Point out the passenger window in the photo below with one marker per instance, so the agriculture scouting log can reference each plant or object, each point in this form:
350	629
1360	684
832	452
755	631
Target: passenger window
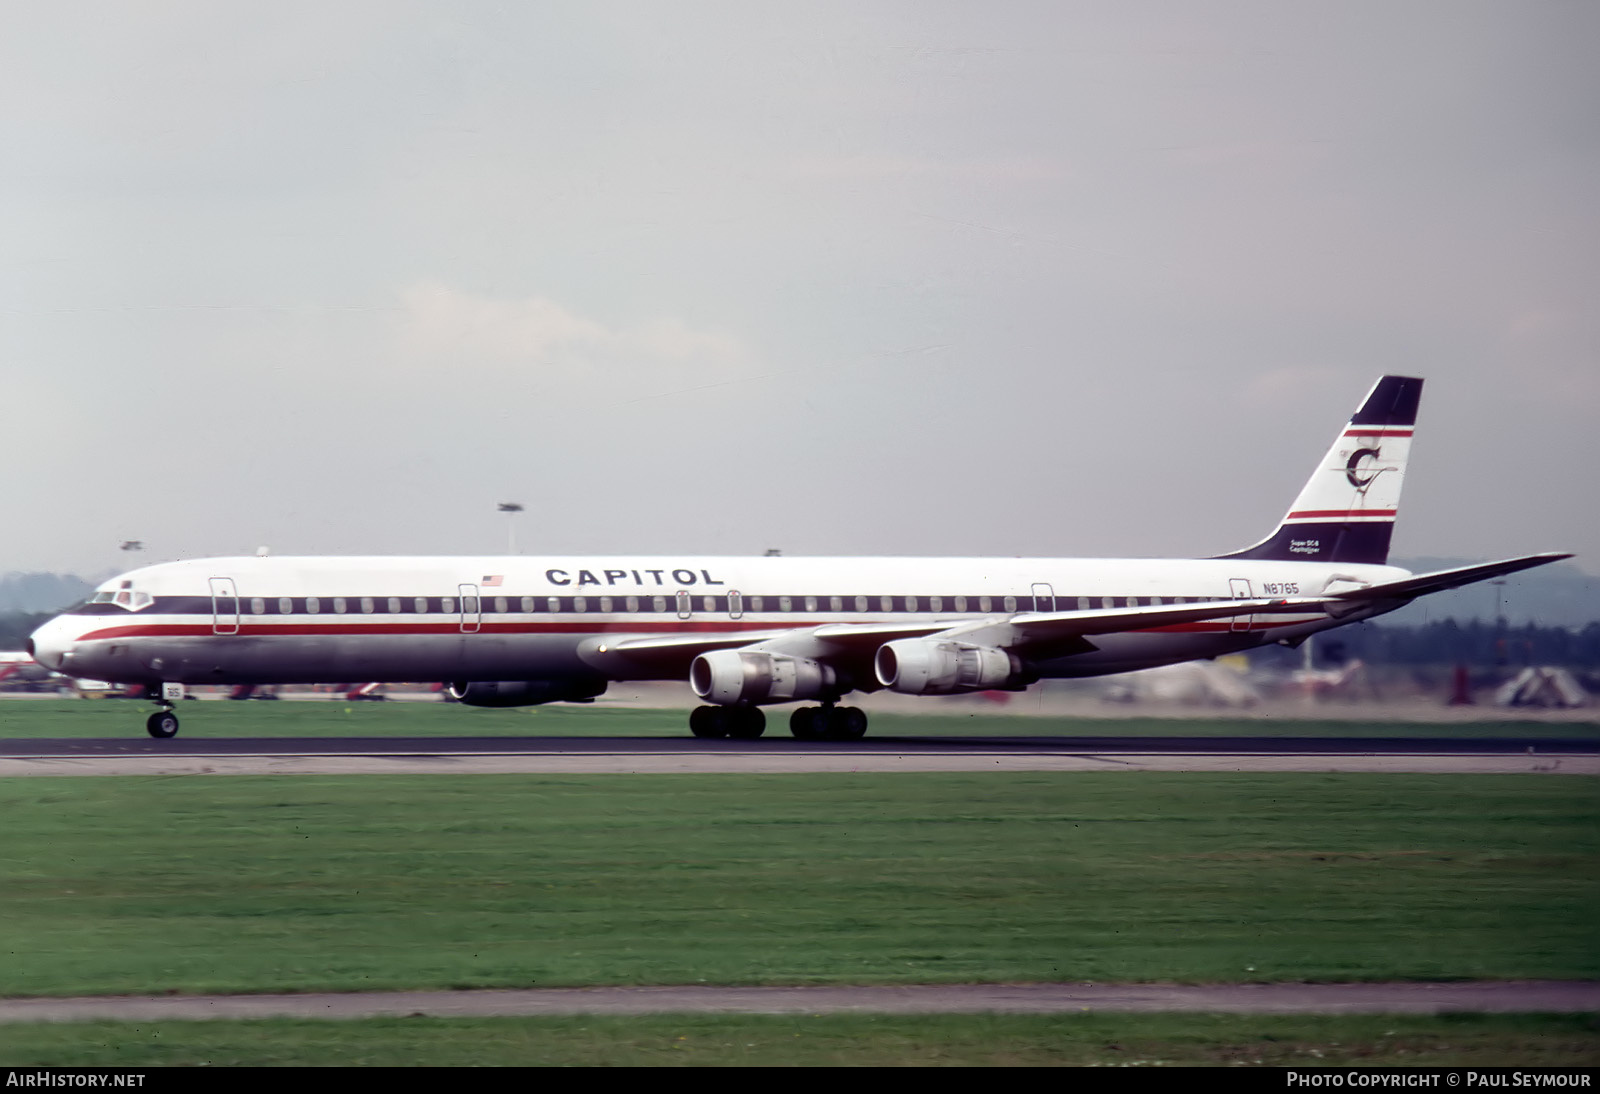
258	605
500	604
285	605
447	604
961	603
886	603
632	603
338	605
911	603
1083	603
394	605
553	603
811	603
709	603
936	603
658	603
421	605
1011	603
755	603
836	603
313	605
580	603
605	603
985	603
785	604
367	606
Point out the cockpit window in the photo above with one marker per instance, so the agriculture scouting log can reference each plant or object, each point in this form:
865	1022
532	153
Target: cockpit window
128	599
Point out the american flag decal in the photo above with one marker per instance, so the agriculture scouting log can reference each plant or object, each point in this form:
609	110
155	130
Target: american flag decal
491	581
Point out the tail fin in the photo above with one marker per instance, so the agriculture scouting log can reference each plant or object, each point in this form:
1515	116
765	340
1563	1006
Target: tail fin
1346	511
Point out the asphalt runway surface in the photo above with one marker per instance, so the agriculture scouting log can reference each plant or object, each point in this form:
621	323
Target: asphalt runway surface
778	755
1508	996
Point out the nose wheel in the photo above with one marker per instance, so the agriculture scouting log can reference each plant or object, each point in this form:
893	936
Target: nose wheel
162	724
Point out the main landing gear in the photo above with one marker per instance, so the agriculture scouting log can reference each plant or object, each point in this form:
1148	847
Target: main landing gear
824	723
828	723
744	723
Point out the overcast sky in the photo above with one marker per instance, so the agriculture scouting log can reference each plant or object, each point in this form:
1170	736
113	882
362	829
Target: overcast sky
1096	278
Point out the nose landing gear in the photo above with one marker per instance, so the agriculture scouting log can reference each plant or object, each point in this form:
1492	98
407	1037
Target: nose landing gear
163	723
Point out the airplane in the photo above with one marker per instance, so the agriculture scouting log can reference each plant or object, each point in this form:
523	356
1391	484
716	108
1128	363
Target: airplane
751	632
18	669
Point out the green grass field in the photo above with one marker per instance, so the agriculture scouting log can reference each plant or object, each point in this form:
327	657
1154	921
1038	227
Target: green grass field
125	718
191	884
856	1040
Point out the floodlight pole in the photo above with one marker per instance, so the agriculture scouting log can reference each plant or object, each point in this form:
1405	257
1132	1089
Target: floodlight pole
511	509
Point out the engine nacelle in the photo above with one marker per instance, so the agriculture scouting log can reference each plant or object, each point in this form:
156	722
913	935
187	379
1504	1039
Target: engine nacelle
524	693
750	676
922	666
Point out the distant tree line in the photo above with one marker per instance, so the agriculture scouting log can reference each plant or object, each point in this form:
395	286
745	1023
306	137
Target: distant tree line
1475	643
16	626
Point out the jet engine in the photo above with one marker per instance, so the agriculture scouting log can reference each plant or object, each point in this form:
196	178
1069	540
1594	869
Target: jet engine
750	676
524	693
923	666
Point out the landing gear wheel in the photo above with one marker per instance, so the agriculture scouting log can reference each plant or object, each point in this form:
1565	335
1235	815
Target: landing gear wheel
831	723
805	725
745	723
162	724
850	723
708	722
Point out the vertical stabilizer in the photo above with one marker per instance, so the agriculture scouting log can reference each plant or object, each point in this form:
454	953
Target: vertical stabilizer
1346	511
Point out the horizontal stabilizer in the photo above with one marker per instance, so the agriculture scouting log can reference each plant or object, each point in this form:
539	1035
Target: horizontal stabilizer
1439	581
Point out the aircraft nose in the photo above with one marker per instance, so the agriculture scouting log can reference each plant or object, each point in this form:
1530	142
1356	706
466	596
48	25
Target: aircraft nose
50	643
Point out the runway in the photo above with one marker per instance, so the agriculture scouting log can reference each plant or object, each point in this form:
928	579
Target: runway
783	755
1510	996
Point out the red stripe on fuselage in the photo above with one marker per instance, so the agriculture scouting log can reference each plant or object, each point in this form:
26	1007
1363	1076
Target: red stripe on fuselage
691	626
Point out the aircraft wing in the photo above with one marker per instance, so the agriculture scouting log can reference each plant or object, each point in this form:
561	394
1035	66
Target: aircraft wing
1440	580
1051	634
1059	632
672	653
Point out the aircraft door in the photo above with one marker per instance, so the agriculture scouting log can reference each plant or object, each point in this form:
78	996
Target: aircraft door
471	609
1239	589
224	606
1044	597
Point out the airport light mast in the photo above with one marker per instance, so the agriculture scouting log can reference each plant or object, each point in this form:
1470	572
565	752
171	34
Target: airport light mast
511	509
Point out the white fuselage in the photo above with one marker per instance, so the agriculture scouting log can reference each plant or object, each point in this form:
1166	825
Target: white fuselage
311	620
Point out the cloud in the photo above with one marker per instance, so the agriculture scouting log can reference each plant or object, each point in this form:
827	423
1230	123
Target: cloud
441	323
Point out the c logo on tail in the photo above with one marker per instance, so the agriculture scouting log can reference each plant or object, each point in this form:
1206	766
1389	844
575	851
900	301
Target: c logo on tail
1351	470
